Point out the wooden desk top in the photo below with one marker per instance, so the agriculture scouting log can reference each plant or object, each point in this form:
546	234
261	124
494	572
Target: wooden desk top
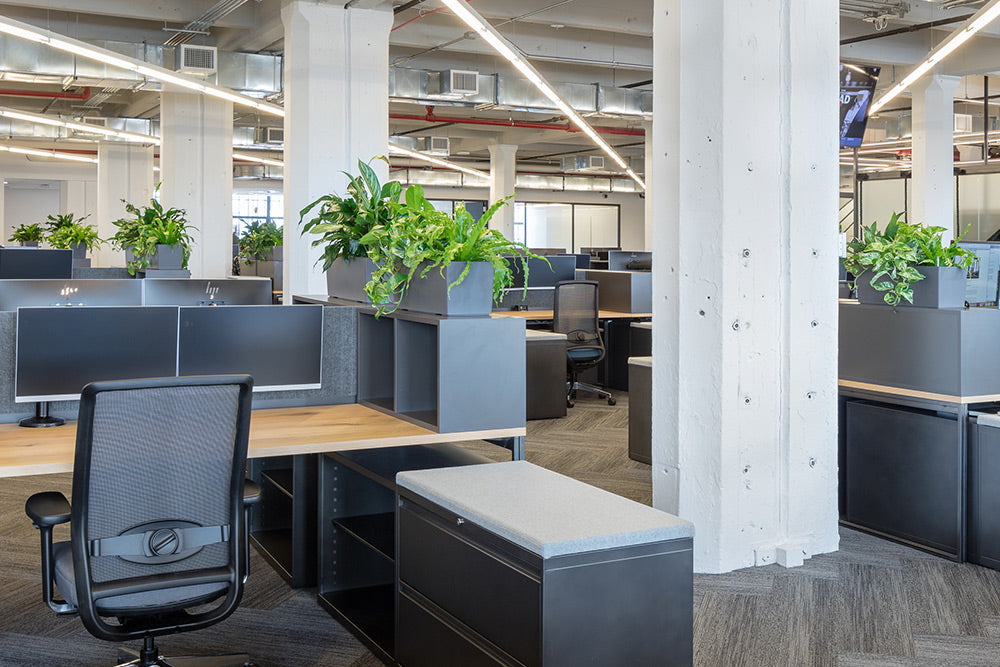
547	314
914	393
273	432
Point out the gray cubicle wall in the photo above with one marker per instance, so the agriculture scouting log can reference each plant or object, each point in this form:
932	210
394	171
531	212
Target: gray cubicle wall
944	351
622	291
339	370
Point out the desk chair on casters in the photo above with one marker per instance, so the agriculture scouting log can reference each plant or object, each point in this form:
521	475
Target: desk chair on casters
574	313
159	516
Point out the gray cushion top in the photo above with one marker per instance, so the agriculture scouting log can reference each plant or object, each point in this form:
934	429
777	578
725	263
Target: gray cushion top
542	511
642	325
641	361
987	419
541	334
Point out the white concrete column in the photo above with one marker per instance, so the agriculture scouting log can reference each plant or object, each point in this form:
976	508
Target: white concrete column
196	168
124	171
336	113
744	296
933	182
647	220
503	172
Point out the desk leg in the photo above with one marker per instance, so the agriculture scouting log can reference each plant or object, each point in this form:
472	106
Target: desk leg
515	445
963	463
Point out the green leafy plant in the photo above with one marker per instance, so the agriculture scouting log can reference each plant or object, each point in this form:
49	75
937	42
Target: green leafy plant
890	256
61	220
67	235
258	238
27	233
342	222
152	225
422	238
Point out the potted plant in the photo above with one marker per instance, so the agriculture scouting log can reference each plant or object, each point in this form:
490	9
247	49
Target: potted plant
423	255
159	238
78	238
28	234
890	264
341	222
61	220
260	241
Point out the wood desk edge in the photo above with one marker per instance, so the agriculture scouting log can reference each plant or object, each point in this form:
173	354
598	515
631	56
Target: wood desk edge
914	393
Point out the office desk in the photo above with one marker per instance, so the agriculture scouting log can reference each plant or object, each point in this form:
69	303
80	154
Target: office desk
548	314
273	432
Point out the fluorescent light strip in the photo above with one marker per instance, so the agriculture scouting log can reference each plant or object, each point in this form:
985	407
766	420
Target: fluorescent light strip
394	148
47	153
84	50
42	119
258	160
471	18
979	20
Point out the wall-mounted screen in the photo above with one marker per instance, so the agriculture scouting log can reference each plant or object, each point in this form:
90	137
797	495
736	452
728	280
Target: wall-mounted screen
857	87
15	294
982	286
280	346
59	350
36	263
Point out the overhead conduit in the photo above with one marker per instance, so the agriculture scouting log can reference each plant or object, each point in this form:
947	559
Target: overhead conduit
60	95
431	117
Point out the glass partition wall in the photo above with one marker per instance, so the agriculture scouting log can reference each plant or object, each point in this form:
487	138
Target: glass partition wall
569	226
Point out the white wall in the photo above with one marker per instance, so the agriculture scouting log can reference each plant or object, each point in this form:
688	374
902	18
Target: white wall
978	205
26	202
880	199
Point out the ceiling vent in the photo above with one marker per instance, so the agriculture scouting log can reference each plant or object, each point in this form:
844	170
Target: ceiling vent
99	121
434	145
269	135
459	82
583	163
963	122
198	60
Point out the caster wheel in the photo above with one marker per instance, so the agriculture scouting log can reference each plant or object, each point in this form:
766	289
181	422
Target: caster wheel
611	401
569	404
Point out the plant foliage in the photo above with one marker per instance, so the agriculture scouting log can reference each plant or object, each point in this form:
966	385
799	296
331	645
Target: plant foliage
55	222
258	238
75	233
152	225
892	255
341	222
28	232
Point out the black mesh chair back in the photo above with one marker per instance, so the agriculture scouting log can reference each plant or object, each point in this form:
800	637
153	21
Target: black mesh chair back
574	313
157	512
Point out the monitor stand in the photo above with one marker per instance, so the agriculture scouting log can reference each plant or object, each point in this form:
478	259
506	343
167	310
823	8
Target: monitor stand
41	418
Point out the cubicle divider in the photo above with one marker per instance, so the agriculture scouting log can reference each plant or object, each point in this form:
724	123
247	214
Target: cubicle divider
16	293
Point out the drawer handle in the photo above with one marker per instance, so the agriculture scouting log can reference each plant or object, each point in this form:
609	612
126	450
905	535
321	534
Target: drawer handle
459	521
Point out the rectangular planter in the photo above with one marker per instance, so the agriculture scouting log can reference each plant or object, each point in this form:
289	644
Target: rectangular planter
168	257
942	287
472	297
347	279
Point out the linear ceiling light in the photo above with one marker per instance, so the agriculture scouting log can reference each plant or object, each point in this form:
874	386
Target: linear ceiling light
42	119
394	148
509	51
977	22
258	160
84	50
47	153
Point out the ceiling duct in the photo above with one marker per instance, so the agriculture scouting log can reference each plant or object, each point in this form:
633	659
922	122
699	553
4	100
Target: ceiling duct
196	60
434	145
459	82
269	135
583	163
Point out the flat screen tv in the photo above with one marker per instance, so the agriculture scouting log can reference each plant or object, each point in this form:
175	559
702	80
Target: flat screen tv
857	87
36	263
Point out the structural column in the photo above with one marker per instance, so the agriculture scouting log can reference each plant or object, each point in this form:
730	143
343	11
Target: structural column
744	296
124	171
503	171
934	152
196	168
336	113
647	209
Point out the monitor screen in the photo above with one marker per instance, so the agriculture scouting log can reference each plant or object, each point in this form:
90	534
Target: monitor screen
857	87
59	350
982	286
542	273
280	346
111	292
200	292
630	260
36	263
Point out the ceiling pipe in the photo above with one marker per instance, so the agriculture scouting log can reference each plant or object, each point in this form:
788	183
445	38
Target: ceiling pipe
902	31
61	95
566	127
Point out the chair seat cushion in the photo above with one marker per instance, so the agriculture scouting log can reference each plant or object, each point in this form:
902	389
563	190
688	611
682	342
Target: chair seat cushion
583	353
162	600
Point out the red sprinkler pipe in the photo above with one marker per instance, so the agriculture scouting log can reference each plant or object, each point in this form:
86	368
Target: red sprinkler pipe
58	95
432	118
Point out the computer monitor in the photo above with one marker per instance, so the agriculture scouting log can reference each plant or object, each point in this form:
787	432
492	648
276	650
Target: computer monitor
630	260
280	346
547	251
36	263
582	259
200	292
59	350
111	292
543	272
982	285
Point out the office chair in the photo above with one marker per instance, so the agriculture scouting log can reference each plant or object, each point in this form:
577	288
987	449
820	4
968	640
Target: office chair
574	313
159	514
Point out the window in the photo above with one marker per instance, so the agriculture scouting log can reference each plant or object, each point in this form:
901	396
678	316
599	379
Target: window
257	207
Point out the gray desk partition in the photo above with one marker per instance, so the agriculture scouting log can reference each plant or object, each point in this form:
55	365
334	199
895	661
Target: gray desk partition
48	292
622	291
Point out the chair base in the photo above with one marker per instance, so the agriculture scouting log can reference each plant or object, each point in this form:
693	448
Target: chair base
573	387
131	657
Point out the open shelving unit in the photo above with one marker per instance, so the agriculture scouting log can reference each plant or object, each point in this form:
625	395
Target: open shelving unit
357	534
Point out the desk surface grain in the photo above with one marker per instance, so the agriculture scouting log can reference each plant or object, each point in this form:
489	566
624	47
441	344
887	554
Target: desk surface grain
273	432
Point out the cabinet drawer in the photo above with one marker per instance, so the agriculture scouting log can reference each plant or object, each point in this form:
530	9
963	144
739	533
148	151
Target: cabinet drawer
491	595
424	640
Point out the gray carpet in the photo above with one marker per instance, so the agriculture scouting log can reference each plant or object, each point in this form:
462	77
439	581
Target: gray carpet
873	603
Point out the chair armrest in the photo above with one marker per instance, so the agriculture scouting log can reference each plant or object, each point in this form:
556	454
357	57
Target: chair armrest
251	493
47	509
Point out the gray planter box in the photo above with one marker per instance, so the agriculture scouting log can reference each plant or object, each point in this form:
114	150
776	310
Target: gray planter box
942	287
472	297
79	250
167	257
347	279
29	244
274	254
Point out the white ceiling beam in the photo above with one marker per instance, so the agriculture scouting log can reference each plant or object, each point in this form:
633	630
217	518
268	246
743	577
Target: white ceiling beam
176	11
